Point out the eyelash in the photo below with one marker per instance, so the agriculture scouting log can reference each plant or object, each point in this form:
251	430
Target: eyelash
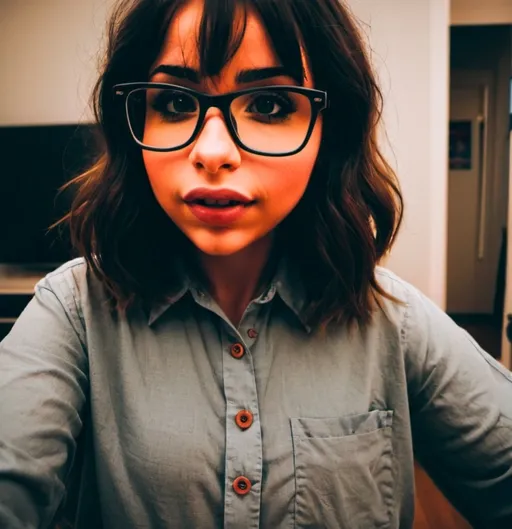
161	101
287	104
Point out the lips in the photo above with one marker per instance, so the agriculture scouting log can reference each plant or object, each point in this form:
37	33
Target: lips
218	198
218	207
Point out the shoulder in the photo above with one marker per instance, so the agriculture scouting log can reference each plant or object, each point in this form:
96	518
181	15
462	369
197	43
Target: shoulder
67	280
83	295
58	300
392	283
411	298
73	268
406	297
76	288
418	317
429	337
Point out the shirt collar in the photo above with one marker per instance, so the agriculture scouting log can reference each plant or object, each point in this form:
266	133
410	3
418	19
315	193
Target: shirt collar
286	284
158	308
291	290
182	285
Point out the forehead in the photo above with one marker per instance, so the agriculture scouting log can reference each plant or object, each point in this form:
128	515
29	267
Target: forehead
182	36
180	46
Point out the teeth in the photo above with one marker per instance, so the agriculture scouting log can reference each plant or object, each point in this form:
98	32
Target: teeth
219	203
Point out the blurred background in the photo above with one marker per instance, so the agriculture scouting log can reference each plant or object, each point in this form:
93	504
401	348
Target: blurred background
445	67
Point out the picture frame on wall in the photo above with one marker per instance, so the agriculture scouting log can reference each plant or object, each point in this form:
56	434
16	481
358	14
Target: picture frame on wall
461	148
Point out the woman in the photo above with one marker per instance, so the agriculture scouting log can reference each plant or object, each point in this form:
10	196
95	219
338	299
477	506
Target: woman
227	353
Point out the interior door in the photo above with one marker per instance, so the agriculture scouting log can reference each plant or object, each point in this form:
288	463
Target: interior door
465	200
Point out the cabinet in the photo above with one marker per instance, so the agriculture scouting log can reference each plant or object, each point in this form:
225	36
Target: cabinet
16	290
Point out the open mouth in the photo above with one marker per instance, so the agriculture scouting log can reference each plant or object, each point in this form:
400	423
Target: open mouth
219	204
218	207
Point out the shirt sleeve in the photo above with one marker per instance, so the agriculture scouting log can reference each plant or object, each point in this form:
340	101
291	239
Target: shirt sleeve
43	383
461	412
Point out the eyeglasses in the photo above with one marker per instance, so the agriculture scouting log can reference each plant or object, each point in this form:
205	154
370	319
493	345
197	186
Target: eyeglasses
271	121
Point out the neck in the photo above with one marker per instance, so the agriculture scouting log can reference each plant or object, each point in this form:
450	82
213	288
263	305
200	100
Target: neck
235	280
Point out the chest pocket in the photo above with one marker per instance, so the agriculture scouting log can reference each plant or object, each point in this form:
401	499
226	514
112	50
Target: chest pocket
343	471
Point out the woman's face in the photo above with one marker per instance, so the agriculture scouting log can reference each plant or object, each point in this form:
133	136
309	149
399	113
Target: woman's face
270	186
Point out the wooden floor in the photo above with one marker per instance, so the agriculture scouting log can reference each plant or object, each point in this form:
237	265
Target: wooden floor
433	511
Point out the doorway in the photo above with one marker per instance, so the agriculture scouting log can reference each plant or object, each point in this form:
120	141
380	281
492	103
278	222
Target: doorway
480	72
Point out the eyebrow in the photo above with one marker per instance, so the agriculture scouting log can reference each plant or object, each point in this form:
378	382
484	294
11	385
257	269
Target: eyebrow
261	74
242	77
181	72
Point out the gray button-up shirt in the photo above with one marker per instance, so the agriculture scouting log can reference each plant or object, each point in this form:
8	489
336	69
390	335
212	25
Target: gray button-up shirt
130	420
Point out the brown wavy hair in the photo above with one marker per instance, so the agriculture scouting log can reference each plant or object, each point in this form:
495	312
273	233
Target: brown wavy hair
351	211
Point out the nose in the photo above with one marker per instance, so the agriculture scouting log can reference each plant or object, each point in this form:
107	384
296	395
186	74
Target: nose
214	148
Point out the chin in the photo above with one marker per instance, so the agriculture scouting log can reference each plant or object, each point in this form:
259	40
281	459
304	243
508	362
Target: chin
221	243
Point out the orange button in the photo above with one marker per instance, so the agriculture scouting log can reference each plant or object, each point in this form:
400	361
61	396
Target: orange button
244	419
252	333
242	486
237	350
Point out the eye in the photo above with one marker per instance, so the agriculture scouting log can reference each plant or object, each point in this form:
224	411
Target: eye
271	105
181	103
266	105
173	103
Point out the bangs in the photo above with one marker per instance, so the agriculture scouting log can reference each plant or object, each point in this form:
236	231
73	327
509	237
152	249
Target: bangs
223	27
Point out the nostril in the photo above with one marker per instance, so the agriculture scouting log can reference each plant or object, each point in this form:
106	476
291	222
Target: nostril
203	167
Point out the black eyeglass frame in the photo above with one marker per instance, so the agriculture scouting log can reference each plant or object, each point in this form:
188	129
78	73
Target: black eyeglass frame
318	99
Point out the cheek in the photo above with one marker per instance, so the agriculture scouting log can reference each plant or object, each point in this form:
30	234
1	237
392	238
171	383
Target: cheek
159	174
287	184
153	167
290	177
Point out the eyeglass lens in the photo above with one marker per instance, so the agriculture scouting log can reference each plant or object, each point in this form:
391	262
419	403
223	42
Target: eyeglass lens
266	121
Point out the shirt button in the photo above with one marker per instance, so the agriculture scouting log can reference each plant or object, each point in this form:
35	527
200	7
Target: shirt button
244	419
242	486
237	350
252	333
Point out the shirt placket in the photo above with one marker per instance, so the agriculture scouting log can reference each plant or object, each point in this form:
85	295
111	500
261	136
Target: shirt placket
244	450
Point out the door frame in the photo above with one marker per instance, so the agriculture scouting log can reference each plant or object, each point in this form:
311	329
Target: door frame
506	346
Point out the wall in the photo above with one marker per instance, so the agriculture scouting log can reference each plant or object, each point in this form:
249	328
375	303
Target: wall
410	43
476	12
48	59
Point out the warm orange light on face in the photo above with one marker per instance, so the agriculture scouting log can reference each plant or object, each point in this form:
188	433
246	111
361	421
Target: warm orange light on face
213	161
